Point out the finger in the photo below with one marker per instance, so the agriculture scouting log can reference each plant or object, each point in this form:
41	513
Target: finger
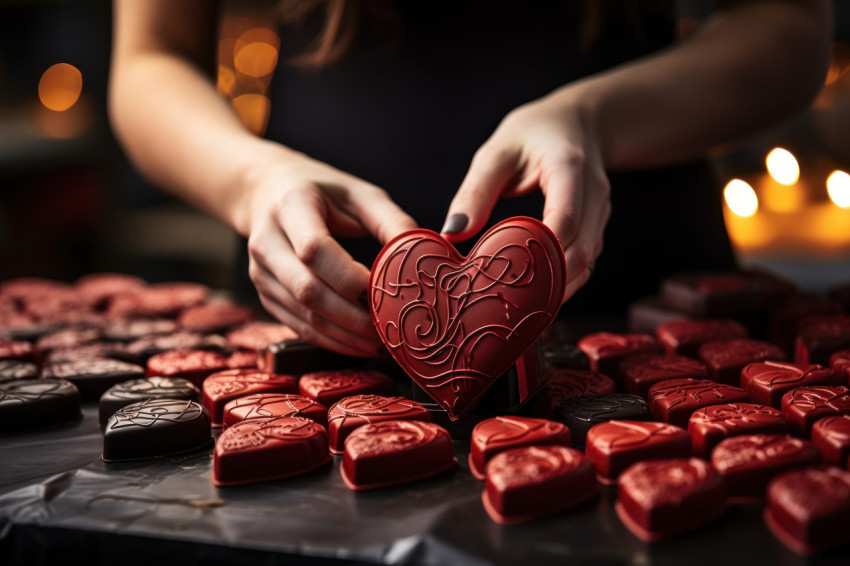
309	325
489	173
562	181
378	213
303	220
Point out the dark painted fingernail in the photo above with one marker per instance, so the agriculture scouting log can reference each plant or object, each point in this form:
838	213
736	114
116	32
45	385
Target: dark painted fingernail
363	299
455	223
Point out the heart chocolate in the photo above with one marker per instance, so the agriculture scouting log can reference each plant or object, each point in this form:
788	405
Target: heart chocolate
455	324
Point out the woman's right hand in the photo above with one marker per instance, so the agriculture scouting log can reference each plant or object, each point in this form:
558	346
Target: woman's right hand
296	208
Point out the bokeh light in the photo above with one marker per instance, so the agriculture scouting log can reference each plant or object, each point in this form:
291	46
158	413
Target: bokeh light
740	198
256	59
838	187
253	110
60	87
783	166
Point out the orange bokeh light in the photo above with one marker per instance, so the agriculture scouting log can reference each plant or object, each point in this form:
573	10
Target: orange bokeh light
253	110
255	59
60	87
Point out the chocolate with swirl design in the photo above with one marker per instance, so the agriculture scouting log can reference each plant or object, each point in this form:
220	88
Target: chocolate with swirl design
660	499
616	445
709	425
530	482
726	358
606	350
328	387
565	383
675	400
495	435
767	382
395	452
642	371
456	324
224	386
808	510
804	405
194	365
36	403
684	337
135	390
831	435
258	450
154	428
750	461
265	405
93	376
347	414
582	412
10	370
257	334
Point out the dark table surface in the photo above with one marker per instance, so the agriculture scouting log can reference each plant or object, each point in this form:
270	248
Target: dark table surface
58	499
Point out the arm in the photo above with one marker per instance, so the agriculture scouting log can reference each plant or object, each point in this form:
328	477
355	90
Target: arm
184	137
751	63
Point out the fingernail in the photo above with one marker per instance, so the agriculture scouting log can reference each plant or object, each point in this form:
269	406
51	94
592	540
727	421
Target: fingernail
455	223
363	299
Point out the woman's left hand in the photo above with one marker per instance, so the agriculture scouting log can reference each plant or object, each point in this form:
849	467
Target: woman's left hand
548	144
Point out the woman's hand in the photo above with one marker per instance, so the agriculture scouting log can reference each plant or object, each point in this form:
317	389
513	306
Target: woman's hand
549	144
297	207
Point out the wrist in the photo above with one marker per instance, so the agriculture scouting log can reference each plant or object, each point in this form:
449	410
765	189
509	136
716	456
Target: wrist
583	101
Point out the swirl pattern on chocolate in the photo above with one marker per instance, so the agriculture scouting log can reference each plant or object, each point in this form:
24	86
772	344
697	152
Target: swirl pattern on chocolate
368	407
531	465
152	412
34	390
172	387
655	483
731	417
698	392
830	397
228	382
255	433
608	343
617	435
761	450
505	431
391	437
265	405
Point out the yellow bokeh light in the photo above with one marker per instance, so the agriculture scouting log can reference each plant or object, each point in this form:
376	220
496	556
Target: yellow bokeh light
253	110
783	166
256	59
60	87
838	187
226	80
256	35
740	198
781	198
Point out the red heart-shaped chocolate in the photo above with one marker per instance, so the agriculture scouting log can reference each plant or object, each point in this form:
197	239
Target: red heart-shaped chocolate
455	324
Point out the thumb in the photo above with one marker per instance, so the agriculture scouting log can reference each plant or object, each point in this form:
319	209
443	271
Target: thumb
488	175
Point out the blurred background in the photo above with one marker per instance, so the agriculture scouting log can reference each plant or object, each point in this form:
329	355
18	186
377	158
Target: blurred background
71	204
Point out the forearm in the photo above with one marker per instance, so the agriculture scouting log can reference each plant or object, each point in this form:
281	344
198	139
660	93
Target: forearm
751	64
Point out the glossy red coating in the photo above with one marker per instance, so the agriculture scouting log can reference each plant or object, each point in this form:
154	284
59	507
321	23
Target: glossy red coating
456	324
530	482
495	435
616	445
395	452
642	371
350	413
709	425
606	350
260	450
809	510
675	400
750	461
194	365
257	334
767	382
684	337
328	387
266	405
214	316
225	386
660	499
804	405
726	358
160	299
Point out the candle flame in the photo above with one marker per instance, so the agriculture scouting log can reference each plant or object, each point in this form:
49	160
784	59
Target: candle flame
741	198
783	166
838	187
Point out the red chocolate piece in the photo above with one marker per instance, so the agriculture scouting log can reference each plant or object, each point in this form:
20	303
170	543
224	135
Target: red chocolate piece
259	450
225	386
616	445
350	413
37	403
710	425
820	337
137	390
215	316
395	452
709	294
97	289
159	300
750	461
328	387
809	510
660	499
12	370
606	350
786	320
831	435
266	405
23	287
684	337
804	405
642	371
258	334
194	365
565	383
726	358
495	435
675	400
530	482
840	362
93	376
127	330
456	324
242	359
16	350
767	382
647	314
